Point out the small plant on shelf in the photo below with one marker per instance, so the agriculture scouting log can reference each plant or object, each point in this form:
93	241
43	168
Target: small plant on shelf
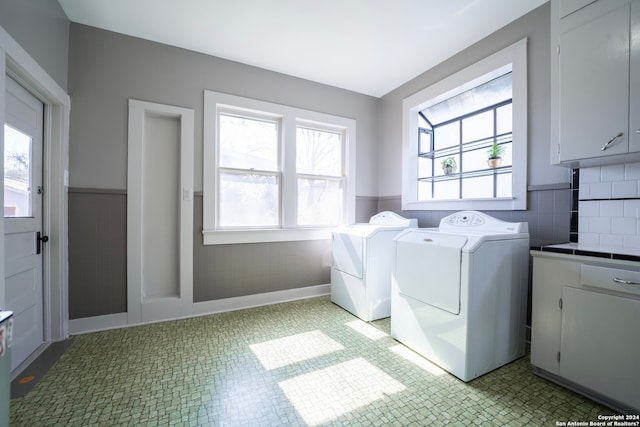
495	155
449	165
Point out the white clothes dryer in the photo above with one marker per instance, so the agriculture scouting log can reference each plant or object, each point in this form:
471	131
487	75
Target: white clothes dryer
361	267
459	292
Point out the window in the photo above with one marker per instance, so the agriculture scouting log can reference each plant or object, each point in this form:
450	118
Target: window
451	128
18	179
248	172
274	173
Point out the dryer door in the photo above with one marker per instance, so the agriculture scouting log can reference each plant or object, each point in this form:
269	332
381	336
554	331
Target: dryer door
348	253
427	268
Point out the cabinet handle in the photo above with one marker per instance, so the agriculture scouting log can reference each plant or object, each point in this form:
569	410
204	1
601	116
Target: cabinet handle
625	282
638	131
605	146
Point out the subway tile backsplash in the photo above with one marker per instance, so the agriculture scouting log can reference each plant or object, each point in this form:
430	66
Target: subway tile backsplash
609	205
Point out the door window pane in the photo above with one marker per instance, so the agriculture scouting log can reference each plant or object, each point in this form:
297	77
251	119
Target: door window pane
17	173
250	200
248	143
318	152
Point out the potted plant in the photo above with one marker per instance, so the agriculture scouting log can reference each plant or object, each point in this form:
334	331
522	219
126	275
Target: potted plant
449	165
495	153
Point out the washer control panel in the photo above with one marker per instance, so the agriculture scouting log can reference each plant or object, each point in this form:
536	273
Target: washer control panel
465	219
478	222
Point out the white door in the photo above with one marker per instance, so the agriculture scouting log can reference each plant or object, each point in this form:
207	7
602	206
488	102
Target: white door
23	133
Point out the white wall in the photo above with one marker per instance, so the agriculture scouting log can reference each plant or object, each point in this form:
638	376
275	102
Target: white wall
609	207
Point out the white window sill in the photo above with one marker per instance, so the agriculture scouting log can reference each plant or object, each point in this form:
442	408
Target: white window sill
230	237
498	204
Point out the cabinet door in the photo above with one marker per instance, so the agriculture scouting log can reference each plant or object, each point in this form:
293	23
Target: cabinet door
594	84
549	277
567	7
600	344
634	111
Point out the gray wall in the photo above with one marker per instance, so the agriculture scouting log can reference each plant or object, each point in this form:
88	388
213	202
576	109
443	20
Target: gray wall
42	29
535	26
97	252
105	70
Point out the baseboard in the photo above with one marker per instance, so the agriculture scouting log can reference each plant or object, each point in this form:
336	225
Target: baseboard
119	320
257	300
97	323
26	362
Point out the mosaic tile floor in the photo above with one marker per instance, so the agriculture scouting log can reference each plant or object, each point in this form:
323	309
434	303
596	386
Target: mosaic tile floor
300	363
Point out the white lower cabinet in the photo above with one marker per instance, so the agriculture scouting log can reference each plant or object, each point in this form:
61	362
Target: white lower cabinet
585	326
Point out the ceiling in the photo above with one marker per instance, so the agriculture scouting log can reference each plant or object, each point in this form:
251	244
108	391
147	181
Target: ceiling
367	46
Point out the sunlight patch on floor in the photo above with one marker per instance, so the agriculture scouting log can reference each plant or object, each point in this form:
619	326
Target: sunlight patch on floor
366	329
285	351
416	359
326	394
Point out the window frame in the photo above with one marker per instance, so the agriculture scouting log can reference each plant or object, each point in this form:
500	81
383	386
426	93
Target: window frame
512	58
290	118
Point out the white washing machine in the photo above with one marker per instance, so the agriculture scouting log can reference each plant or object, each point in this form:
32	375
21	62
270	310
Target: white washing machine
361	267
459	292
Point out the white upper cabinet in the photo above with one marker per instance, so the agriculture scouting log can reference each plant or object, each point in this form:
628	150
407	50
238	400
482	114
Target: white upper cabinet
567	7
634	92
592	85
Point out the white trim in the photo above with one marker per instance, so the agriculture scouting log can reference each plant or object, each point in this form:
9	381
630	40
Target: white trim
24	69
227	237
97	323
515	54
2	115
158	309
114	321
289	117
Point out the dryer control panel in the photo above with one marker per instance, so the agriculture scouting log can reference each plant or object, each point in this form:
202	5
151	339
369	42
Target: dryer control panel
479	222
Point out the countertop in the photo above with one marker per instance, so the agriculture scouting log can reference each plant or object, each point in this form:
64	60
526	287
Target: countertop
610	252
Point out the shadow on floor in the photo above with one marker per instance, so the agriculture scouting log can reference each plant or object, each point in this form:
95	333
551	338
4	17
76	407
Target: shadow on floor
36	370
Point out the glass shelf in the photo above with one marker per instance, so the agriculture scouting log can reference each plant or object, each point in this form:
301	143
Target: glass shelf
481	144
470	174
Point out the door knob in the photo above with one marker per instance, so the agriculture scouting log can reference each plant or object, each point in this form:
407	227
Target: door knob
39	240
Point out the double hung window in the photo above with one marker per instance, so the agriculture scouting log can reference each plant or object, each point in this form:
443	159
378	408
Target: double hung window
248	171
273	172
